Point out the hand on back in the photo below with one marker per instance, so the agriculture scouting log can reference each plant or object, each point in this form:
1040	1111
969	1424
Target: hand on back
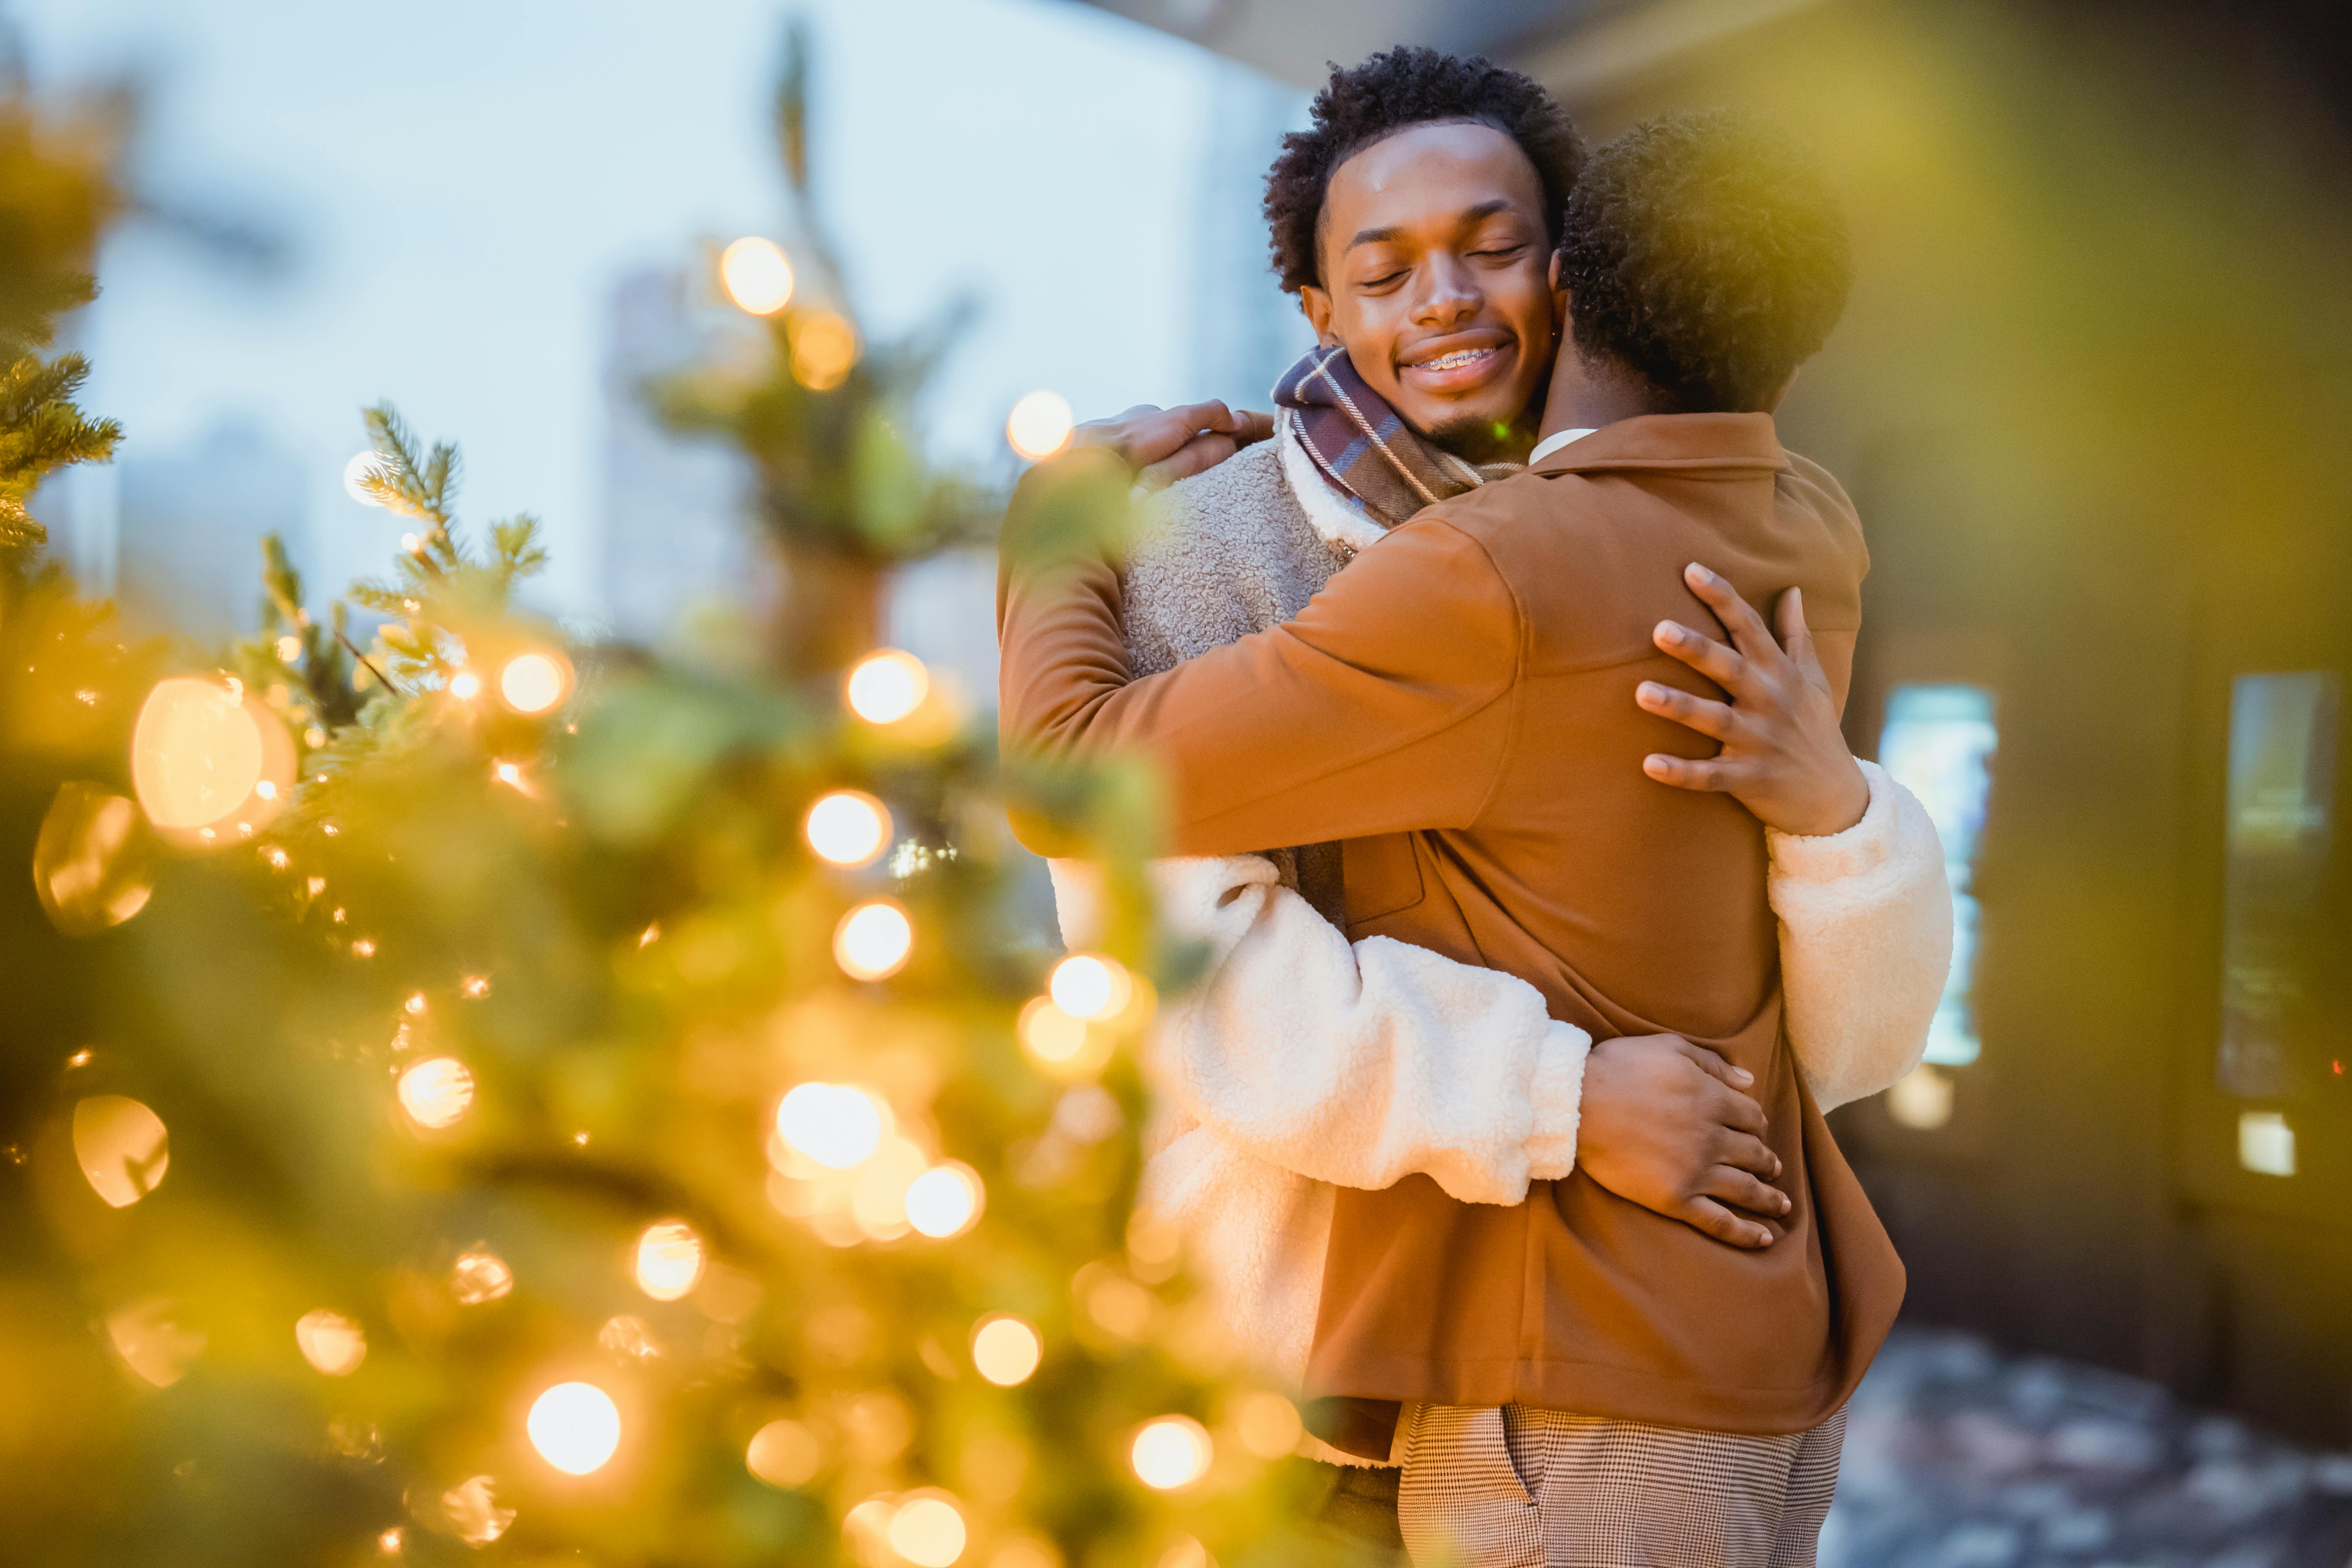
1164	444
1783	756
1668	1125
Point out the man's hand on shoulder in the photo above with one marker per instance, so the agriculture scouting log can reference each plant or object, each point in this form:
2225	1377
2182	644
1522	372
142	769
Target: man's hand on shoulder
1160	446
1668	1125
1783	756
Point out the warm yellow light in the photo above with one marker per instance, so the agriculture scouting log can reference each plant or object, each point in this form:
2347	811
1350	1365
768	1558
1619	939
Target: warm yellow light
479	1276
1169	1452
832	1123
1186	1552
415	1005
436	1092
669	1259
476	986
507	773
473	1512
290	649
866	1530
878	1196
198	752
534	681
331	1343
928	1528
1062	1047
886	686
873	940
121	1146
575	1427
824	348
1040	426
945	1200
2265	1143
153	1343
1922	1098
757	274
849	827
1267	1424
465	685
1025	1552
389	1542
87	865
1088	986
1006	1350
358	470
784	1454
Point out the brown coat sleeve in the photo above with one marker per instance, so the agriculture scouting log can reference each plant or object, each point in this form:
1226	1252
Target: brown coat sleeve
1386	705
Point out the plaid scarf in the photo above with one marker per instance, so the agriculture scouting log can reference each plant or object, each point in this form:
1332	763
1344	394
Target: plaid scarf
1363	447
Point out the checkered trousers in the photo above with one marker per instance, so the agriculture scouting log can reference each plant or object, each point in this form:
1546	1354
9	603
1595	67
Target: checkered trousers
1520	1488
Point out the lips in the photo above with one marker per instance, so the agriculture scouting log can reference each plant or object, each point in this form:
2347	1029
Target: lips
1457	363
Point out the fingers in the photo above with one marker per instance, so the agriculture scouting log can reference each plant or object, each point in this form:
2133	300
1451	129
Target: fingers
1747	630
1710	1217
1200	453
1250	427
1210	415
1704	715
1798	637
1742	1190
1745	1152
1713	1064
1685	773
1704	654
1736	1117
1147	436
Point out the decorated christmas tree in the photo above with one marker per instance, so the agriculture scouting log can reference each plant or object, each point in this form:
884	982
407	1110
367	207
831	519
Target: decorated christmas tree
475	1097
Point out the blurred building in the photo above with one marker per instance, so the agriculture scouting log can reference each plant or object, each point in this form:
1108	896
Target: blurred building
186	530
2091	396
1245	330
676	535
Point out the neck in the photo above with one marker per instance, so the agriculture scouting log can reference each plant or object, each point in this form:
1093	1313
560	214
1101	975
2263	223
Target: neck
1586	395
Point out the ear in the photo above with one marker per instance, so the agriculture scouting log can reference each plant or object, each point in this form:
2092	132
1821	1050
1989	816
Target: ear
1558	297
1315	303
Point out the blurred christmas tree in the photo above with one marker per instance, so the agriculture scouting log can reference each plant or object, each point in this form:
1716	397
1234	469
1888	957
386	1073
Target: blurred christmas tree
826	419
466	1099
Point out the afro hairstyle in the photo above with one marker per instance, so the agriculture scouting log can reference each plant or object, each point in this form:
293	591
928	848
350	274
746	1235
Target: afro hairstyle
1705	253
1395	91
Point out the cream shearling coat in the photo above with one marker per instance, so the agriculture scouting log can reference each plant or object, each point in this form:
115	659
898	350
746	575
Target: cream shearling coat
1302	1062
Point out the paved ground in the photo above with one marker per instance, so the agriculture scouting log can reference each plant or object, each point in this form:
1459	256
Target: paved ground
1959	1457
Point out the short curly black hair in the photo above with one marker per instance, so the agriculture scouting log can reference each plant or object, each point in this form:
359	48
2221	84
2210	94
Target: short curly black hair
1395	91
1704	252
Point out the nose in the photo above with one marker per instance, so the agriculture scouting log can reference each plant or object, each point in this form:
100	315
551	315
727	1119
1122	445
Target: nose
1449	294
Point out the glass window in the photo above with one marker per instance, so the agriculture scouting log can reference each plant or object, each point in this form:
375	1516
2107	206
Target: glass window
2281	788
1939	744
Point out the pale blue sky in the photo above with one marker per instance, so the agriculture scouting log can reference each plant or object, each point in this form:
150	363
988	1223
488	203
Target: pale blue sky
462	181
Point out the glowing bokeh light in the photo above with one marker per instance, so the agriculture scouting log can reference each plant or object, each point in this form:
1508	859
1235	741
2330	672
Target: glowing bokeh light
1006	1350
575	1427
534	681
436	1092
835	1124
945	1200
1040	426
465	685
928	1529
886	686
849	827
357	470
784	1454
1059	1046
479	1276
1267	1424
669	1260
873	941
331	1343
473	1513
88	867
121	1146
153	1343
199	751
824	349
1088	986
1170	1451
757	274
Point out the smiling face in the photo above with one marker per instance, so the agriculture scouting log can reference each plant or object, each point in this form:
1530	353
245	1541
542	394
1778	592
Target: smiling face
1436	278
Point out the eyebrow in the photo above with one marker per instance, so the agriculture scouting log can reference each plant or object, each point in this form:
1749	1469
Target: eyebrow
1479	214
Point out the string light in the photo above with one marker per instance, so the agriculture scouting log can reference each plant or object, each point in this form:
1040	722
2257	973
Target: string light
945	1200
121	1146
85	864
1267	1424
849	827
1169	1452
290	649
783	1453
362	466
1005	1349
331	1343
152	1341
479	1276
436	1092
534	681
1040	426
472	1511
1059	1046
835	1124
1088	986
465	685
757	274
824	349
669	1259
198	752
510	775
886	686
926	1529
575	1427
873	940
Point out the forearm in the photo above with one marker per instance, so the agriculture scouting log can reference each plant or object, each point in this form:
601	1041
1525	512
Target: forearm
1866	943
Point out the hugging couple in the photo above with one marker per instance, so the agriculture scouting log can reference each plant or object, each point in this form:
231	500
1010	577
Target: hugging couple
1548	907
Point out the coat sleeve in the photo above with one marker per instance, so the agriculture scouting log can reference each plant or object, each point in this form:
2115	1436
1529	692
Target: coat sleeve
1865	942
1385	705
1352	1064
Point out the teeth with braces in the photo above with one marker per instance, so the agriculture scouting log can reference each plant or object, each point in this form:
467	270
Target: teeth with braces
1459	357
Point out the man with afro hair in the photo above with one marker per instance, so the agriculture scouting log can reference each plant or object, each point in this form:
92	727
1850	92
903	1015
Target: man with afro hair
1598	1304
